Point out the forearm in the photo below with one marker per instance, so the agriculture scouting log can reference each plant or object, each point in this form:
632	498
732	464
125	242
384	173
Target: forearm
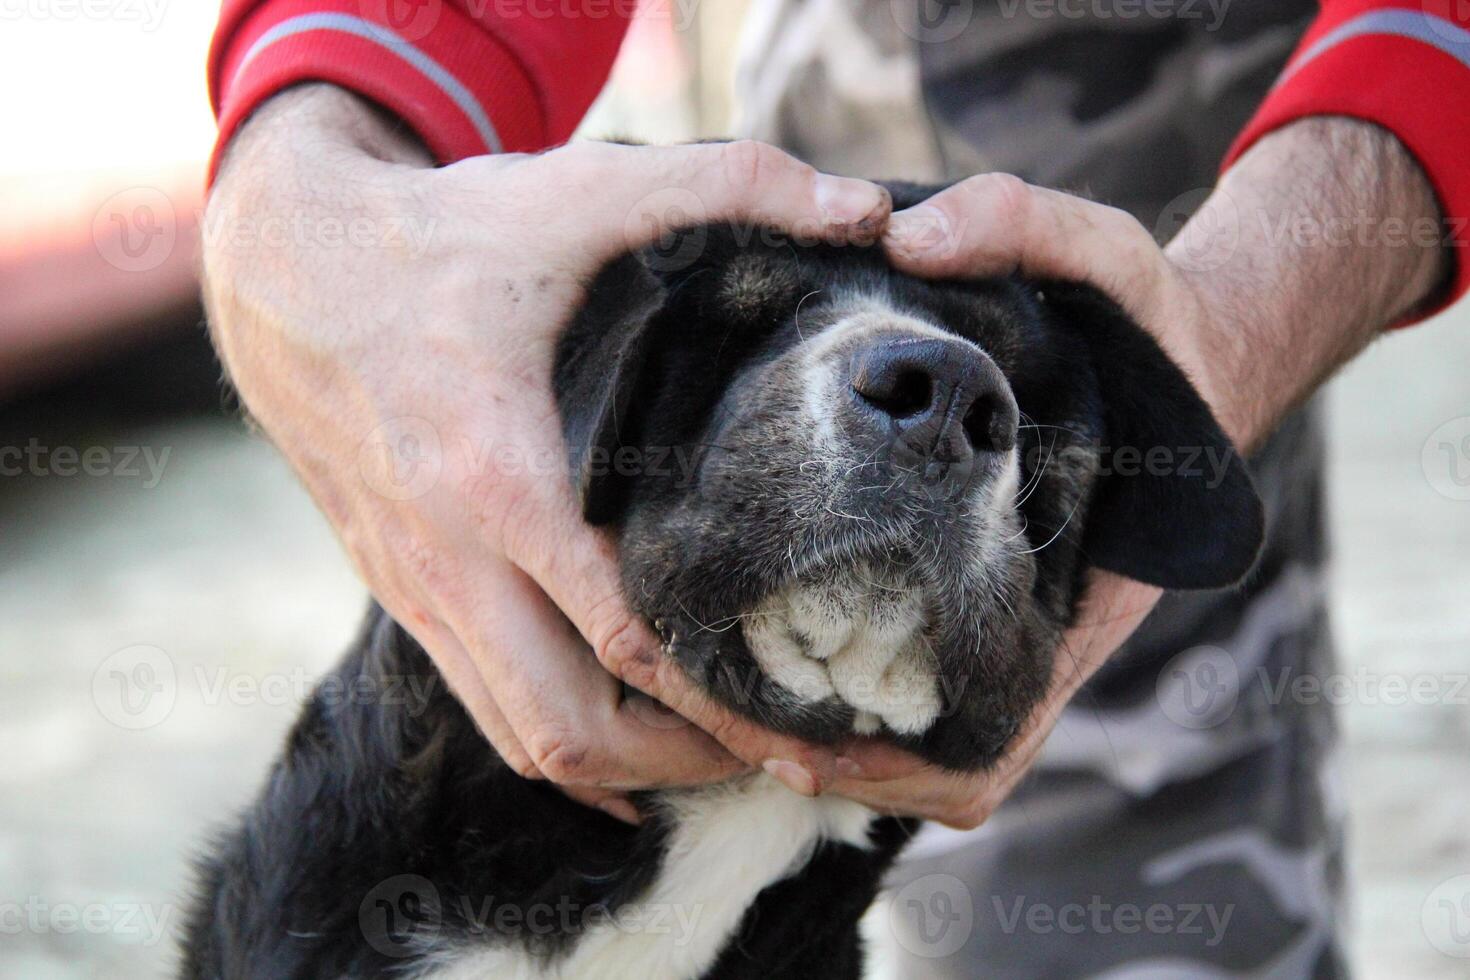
1324	234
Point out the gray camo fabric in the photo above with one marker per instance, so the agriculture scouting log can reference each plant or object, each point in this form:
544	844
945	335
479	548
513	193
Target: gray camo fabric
1184	820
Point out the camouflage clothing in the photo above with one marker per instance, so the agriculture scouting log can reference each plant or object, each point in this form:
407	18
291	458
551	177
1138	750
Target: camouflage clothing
1182	820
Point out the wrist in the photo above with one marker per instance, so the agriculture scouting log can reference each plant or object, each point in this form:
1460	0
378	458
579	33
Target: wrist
307	136
1323	235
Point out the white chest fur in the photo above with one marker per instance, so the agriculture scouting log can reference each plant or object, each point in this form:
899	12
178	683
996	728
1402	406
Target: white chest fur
729	842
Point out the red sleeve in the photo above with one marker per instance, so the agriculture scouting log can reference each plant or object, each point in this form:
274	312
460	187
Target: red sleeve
470	77
1403	64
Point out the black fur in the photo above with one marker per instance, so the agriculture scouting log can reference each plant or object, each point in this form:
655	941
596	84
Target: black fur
389	829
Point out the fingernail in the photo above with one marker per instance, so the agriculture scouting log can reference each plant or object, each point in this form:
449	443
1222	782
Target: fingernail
848	767
848	201
794	777
620	809
917	231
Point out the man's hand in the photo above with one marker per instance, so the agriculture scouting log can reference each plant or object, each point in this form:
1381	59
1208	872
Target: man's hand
1325	233
391	327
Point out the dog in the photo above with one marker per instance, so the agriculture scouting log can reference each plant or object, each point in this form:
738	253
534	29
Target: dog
849	501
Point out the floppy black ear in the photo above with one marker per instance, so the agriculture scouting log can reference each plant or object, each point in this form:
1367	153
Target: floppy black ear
1174	505
599	360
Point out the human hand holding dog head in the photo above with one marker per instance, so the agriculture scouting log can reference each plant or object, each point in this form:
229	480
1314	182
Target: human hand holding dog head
340	353
995	225
1257	327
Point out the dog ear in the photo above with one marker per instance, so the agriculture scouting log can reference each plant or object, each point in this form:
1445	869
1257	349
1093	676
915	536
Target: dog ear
1174	505
599	361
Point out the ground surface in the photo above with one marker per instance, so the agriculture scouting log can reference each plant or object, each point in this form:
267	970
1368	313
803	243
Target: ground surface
216	591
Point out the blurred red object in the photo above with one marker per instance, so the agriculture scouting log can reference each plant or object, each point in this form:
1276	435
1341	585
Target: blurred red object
90	264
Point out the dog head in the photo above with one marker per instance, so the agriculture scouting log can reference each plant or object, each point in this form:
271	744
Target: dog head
855	501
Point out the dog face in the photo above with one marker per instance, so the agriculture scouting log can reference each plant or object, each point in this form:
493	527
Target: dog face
850	500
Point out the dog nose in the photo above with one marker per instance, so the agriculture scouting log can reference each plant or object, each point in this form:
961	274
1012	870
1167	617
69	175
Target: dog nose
946	400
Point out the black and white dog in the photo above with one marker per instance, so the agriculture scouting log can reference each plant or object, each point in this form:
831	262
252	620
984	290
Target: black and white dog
849	501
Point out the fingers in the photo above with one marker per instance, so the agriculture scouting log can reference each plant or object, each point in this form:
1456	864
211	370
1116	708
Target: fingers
804	768
579	575
894	782
643	192
997	224
465	681
564	710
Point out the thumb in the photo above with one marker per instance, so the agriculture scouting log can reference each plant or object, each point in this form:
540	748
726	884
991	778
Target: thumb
996	224
639	194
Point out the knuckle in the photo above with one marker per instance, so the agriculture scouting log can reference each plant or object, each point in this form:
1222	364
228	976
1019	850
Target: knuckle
748	165
429	568
1130	232
1006	196
623	652
560	755
725	728
520	763
967	815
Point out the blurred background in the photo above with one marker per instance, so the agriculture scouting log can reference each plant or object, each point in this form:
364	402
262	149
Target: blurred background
168	593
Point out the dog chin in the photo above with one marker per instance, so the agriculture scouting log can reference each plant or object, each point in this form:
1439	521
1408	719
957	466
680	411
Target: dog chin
855	633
